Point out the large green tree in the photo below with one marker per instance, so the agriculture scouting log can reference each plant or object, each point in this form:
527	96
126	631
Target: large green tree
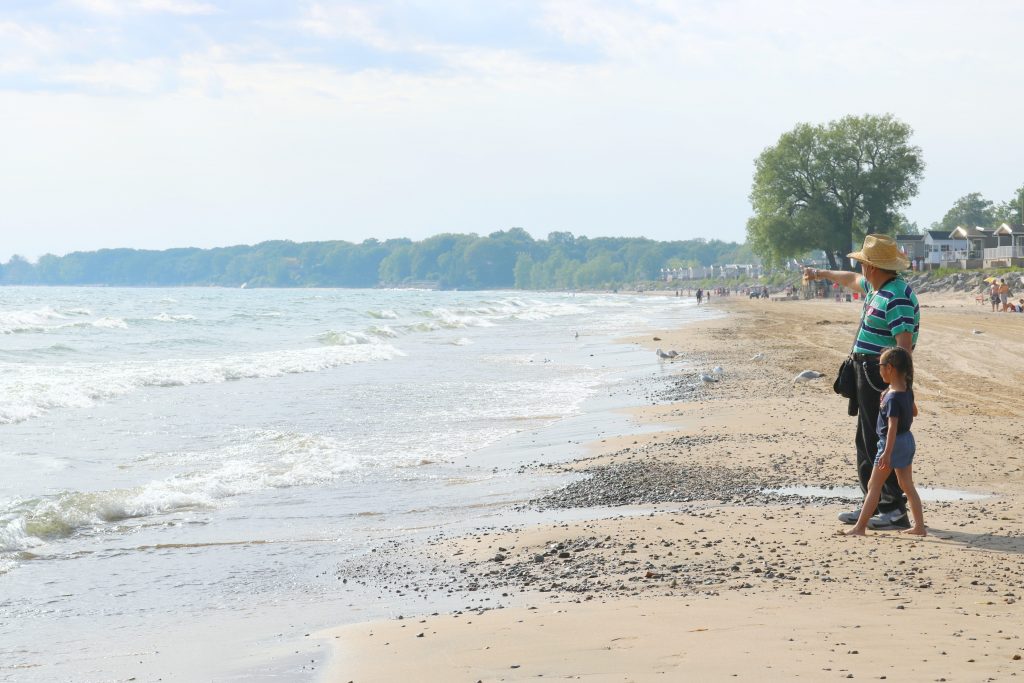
970	210
825	186
1012	210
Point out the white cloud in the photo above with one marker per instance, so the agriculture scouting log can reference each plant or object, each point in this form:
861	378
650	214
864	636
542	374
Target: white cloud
177	7
143	77
798	36
120	7
20	39
619	30
346	21
654	130
99	6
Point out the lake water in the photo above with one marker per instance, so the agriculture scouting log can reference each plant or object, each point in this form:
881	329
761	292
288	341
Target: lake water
181	470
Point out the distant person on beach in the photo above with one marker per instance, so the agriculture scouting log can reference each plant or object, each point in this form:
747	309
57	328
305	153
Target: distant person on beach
1004	294
700	296
896	446
994	295
891	317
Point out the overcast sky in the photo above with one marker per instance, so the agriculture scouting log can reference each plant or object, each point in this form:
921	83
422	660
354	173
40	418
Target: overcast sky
162	123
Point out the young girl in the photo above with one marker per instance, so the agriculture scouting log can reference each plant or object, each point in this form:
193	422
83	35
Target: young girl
895	441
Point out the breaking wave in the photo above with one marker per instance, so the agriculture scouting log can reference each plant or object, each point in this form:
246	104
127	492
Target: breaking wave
38	320
258	461
383	314
169	318
28	391
332	338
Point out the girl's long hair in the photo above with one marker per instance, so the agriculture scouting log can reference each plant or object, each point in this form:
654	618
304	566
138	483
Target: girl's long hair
899	359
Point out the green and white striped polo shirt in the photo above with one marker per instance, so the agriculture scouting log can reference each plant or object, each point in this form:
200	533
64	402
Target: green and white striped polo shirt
889	311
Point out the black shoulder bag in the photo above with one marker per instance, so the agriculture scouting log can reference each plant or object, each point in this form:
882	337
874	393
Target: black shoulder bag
846	381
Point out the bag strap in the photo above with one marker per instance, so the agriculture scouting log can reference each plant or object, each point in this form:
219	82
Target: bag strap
863	314
864	368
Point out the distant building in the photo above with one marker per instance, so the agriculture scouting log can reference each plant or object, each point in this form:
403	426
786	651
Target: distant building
978	240
943	248
738	269
730	270
913	246
933	249
999	247
1009	248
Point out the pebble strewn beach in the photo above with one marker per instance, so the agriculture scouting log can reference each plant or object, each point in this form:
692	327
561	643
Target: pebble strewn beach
688	567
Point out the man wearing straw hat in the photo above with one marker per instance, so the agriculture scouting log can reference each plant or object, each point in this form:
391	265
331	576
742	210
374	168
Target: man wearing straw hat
891	317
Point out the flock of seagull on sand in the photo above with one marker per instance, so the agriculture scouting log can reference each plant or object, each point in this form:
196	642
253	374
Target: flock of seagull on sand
718	372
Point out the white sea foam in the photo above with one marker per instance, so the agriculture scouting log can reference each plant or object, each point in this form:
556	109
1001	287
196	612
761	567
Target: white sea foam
342	338
487	313
13	535
48	319
424	326
382	331
169	318
531	315
491	312
451	320
110	323
256	314
256	462
461	341
12	322
384	314
101	323
28	391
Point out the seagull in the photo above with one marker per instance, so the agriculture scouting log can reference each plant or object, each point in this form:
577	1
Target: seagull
718	371
708	379
807	376
759	356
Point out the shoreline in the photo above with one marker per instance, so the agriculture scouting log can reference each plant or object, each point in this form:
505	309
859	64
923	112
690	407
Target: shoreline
704	571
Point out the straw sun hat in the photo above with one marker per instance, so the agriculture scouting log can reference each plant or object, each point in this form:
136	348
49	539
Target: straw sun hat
881	251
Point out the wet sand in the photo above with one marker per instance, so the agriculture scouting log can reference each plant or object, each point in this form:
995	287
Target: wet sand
706	576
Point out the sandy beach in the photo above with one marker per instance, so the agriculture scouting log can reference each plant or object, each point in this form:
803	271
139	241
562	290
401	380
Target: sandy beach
712	569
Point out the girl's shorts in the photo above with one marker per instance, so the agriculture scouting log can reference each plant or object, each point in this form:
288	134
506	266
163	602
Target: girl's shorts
902	451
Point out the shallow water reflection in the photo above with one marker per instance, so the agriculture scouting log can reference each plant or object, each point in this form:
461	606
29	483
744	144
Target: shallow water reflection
854	493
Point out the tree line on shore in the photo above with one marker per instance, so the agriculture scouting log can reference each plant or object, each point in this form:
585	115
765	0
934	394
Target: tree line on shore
820	188
503	259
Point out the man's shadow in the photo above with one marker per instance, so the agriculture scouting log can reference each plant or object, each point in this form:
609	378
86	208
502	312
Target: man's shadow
995	542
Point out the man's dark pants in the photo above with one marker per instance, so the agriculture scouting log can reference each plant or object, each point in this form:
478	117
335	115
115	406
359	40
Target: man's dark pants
868	397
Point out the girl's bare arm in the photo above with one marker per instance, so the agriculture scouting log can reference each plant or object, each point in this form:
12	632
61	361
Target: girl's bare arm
890	443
